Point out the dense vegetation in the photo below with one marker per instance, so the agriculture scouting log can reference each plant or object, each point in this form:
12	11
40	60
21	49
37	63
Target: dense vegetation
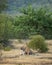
5	29
31	22
3	5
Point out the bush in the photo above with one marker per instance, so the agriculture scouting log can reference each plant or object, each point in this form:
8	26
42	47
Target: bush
8	48
38	42
1	45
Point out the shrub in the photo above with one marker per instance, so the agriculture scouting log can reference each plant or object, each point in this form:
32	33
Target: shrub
38	42
1	46
8	48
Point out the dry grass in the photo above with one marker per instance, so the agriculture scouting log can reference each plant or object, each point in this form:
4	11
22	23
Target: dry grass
14	57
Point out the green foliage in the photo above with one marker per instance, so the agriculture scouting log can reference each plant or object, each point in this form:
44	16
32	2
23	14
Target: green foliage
34	21
3	5
6	29
1	46
31	22
8	48
5	48
38	43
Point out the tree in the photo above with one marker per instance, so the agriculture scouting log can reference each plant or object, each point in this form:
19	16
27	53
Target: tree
3	5
6	29
35	21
